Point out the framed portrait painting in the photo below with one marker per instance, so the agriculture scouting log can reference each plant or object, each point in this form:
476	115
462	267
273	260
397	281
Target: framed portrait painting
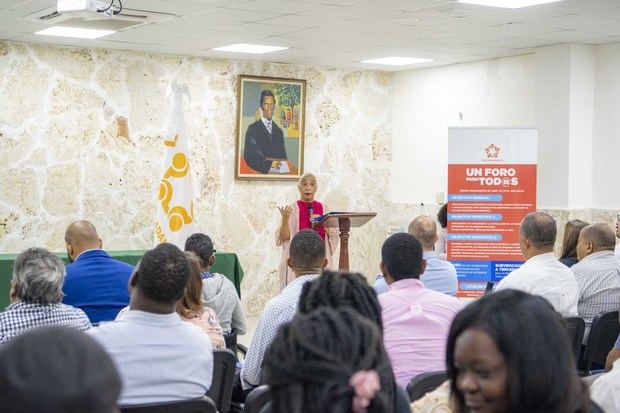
270	128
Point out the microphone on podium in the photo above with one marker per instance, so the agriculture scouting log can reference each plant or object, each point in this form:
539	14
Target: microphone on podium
310	212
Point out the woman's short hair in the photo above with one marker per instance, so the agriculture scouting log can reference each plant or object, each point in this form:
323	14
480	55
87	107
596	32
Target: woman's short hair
531	337
341	290
191	303
312	359
571	236
38	276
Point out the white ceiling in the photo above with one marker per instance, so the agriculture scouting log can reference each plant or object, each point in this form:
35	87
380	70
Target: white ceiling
340	33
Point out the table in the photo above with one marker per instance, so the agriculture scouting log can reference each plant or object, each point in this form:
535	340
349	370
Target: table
226	263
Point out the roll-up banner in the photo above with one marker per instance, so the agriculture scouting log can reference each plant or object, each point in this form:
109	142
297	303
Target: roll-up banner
491	187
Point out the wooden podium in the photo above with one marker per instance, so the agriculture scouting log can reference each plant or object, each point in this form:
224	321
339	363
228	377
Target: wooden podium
344	221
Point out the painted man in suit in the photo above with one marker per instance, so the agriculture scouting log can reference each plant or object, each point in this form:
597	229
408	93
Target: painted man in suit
264	140
95	283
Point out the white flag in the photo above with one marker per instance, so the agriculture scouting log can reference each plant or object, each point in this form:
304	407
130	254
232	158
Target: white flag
175	207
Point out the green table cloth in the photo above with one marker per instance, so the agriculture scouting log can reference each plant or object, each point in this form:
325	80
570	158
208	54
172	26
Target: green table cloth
226	263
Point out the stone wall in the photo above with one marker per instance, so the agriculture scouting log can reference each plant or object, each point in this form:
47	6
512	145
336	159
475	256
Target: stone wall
81	139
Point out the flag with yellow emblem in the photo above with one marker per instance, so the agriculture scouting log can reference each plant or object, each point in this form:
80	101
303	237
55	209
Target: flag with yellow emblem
175	206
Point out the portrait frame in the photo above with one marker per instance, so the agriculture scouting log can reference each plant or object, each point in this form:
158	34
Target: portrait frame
277	155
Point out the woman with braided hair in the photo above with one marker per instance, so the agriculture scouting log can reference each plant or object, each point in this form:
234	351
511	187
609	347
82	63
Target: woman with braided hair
340	290
329	361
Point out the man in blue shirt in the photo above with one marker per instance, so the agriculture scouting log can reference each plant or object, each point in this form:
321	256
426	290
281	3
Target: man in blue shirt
439	275
95	282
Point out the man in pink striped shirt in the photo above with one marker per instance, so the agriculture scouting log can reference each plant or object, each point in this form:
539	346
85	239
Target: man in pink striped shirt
416	319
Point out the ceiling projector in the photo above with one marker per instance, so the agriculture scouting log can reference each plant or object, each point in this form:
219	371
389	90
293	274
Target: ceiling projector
87	9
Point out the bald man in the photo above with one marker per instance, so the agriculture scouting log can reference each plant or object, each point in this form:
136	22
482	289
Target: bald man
439	275
542	274
597	272
95	282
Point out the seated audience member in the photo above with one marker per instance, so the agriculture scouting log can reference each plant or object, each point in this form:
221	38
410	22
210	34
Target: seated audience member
341	290
614	354
36	291
190	307
605	391
380	285
307	260
617	251
509	352
330	360
416	319
441	246
218	292
440	275
597	273
345	290
95	283
57	370
568	254
159	356
542	274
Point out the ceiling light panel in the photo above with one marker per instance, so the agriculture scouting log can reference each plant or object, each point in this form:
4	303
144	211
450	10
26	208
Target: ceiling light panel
396	61
249	48
74	32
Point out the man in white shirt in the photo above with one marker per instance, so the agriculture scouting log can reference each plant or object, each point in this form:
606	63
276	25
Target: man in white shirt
542	274
597	273
307	260
160	357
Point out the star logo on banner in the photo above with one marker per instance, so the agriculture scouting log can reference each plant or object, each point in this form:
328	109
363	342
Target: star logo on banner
492	151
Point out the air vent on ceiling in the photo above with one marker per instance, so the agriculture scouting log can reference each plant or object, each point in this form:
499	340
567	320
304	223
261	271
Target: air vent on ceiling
127	18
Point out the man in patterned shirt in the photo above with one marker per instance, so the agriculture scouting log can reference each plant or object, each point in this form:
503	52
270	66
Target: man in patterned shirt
307	260
36	291
597	272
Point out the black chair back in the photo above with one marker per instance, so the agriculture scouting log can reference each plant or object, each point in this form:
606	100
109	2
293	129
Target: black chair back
231	340
224	364
257	399
202	405
575	327
603	335
424	383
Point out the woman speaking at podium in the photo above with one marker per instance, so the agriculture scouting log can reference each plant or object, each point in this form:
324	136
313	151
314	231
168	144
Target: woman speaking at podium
296	217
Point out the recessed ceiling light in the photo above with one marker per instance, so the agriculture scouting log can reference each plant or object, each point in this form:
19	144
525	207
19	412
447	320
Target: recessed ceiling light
249	48
396	61
508	4
76	32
